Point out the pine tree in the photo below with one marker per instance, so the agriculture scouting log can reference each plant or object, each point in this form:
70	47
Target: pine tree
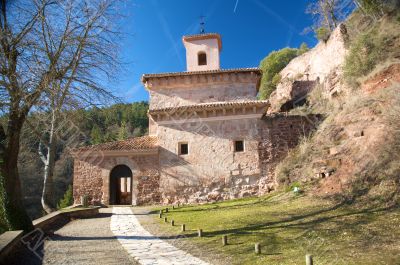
123	131
95	135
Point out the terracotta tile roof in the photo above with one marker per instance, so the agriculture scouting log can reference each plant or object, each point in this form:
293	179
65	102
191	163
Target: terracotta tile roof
204	36
256	70
131	144
212	105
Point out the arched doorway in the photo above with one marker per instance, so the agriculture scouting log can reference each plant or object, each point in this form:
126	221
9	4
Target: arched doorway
121	185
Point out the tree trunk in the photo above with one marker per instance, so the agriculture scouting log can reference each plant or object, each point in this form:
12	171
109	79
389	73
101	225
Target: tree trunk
14	210
47	199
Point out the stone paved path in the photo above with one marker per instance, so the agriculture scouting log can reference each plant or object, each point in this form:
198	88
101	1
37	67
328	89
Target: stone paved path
86	241
80	242
142	245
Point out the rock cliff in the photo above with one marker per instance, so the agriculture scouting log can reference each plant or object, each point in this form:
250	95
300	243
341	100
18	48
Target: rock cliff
321	65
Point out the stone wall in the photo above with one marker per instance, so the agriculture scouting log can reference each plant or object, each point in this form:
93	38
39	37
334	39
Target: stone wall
203	93
88	181
92	178
212	170
280	134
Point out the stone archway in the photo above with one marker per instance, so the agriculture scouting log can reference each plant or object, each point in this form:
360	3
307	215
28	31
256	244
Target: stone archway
110	163
121	185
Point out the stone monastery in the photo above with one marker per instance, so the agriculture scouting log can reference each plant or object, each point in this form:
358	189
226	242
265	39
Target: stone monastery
209	138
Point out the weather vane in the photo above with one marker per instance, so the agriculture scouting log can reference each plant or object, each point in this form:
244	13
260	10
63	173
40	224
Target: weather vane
202	23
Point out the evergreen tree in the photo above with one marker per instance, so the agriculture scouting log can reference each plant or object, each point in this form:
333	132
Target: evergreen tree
123	131
67	200
95	135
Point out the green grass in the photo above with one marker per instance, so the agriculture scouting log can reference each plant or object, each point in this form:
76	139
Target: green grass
288	227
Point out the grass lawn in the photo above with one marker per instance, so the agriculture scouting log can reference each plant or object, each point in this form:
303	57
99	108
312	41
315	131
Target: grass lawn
288	227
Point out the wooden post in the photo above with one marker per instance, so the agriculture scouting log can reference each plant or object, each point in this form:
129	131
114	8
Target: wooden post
200	232
178	204
309	260
166	210
183	228
172	222
160	215
173	207
224	240
257	248
161	211
165	219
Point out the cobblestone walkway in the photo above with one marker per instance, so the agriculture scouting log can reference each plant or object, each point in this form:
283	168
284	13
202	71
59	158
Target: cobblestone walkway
143	246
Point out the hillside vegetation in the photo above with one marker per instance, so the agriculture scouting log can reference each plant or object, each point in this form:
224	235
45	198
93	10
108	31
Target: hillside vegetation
355	151
272	64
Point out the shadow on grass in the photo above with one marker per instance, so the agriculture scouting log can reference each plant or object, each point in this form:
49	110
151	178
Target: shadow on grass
299	221
216	206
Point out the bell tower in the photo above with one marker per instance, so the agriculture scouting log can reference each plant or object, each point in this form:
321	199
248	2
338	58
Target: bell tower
202	51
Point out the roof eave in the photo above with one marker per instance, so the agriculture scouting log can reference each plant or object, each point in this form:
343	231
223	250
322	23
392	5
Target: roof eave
90	153
260	103
146	77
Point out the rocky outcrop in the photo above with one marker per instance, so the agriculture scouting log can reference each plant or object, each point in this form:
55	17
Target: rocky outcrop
322	65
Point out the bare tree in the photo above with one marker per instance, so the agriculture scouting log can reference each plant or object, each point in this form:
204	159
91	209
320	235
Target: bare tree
45	46
329	13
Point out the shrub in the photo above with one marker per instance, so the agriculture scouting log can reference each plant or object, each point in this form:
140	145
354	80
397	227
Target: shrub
271	66
302	49
322	34
374	7
67	200
276	79
287	170
364	54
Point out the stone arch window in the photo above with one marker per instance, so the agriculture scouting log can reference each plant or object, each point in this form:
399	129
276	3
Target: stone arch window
202	58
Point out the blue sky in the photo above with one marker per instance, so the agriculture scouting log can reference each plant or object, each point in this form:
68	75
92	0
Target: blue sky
250	29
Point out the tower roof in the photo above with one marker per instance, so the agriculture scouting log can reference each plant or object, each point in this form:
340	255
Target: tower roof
204	36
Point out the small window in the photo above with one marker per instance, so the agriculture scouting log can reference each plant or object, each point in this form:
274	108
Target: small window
239	146
183	148
202	58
